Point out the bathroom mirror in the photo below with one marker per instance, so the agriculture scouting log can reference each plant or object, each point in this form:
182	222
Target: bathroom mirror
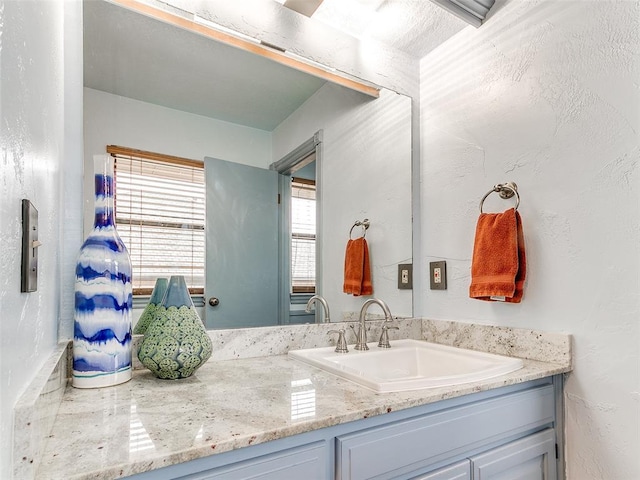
156	87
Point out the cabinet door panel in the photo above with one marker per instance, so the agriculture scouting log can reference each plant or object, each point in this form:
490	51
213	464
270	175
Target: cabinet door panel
458	471
532	458
308	462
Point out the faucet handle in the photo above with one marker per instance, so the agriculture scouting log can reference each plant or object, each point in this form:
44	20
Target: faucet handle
361	337
356	332
384	336
341	345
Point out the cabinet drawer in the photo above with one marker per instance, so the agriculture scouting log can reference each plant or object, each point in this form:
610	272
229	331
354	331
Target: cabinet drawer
458	471
308	462
418	442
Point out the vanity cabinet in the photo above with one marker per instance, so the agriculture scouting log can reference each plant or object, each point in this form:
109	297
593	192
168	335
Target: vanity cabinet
500	434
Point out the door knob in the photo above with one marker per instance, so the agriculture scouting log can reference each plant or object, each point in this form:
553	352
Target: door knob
213	301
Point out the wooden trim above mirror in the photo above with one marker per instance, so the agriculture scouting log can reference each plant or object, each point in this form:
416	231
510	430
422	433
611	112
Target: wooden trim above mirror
134	152
274	53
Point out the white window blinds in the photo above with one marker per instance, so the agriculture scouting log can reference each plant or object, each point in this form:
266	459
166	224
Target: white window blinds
303	235
160	215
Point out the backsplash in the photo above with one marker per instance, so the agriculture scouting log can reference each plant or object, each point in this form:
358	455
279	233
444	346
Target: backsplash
36	410
267	341
512	342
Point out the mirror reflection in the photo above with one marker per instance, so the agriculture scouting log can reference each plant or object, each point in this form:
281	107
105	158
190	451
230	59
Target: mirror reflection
158	88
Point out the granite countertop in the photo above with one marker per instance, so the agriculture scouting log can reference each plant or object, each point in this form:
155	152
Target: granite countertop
149	423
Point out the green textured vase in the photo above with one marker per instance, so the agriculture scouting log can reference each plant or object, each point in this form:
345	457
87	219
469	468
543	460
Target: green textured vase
149	312
176	343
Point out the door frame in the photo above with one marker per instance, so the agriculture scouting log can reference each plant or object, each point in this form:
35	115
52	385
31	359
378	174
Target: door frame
291	162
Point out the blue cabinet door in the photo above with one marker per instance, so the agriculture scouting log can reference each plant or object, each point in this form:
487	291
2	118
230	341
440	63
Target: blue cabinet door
531	458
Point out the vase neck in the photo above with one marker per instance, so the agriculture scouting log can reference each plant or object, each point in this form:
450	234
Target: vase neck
177	294
104	191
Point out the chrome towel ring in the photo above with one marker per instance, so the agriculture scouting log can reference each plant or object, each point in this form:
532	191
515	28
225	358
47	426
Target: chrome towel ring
364	224
506	190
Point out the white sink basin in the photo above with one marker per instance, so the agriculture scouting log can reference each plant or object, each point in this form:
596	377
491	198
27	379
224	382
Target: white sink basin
408	365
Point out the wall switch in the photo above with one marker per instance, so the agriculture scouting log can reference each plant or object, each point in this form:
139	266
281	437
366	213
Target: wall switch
30	244
438	277
405	276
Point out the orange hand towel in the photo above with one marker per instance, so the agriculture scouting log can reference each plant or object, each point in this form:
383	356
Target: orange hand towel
499	265
357	271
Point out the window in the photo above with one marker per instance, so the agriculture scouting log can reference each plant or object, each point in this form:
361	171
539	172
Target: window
160	215
303	235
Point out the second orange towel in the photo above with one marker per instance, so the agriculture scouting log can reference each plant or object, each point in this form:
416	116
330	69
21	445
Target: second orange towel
499	264
357	271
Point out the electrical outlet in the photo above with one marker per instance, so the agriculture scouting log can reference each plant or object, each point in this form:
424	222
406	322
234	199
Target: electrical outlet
405	276
438	277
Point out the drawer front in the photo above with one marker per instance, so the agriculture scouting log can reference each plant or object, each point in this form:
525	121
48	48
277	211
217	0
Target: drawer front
458	471
418	442
309	462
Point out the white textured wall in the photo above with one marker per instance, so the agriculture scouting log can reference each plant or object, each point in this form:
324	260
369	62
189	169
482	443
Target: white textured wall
546	94
365	173
114	120
40	106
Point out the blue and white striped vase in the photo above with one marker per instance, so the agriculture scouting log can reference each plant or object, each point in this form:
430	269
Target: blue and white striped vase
103	295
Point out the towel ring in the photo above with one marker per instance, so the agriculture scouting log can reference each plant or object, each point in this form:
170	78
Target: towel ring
364	224
506	190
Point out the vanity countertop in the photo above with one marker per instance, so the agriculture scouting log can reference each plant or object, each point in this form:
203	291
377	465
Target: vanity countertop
149	423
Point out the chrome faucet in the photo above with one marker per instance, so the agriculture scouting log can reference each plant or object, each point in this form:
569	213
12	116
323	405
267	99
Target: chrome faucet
361	335
318	298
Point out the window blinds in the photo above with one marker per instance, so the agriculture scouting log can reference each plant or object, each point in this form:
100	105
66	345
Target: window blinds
160	215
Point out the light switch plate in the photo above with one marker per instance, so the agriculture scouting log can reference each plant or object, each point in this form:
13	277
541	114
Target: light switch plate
30	244
438	275
405	276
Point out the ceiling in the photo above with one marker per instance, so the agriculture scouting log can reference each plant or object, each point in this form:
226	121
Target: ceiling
128	54
412	26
